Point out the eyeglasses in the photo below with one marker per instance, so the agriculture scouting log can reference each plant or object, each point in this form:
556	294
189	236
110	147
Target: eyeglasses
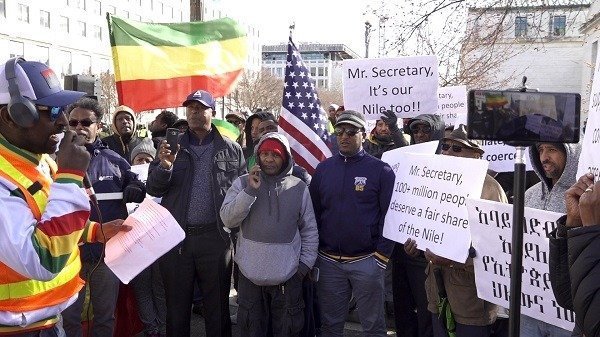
55	111
416	128
455	148
349	132
84	122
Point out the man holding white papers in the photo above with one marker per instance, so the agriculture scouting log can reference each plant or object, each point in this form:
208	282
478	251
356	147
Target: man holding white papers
556	166
473	316
277	243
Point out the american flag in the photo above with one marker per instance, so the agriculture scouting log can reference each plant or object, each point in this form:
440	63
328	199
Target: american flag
302	119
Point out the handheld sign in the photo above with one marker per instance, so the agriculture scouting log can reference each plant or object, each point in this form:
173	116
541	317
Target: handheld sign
589	161
428	202
405	85
452	103
492	236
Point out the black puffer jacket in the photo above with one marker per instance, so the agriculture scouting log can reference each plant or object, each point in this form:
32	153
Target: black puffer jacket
584	260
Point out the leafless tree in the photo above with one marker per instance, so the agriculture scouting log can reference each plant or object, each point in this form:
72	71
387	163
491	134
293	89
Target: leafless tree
256	90
469	37
108	95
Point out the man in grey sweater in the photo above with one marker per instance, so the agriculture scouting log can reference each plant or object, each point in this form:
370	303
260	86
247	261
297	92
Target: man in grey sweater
277	243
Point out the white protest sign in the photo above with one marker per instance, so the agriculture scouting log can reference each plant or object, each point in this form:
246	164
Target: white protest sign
589	160
406	85
452	102
502	157
492	235
425	148
428	202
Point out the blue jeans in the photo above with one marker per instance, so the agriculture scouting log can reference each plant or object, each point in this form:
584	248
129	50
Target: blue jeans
531	327
338	282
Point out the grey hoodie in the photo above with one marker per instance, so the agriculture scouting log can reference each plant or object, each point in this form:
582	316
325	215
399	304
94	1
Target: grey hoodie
541	195
278	231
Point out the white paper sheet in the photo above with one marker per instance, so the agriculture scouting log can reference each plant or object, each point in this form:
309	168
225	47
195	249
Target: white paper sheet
154	232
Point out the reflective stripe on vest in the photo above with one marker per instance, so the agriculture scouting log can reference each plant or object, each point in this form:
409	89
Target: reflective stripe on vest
17	293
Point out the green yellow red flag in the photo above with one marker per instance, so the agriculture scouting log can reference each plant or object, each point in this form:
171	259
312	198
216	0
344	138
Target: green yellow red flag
158	64
226	129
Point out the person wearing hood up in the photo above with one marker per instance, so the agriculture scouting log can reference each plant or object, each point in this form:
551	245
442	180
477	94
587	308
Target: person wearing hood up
556	166
385	136
278	240
253	135
239	120
124	139
408	272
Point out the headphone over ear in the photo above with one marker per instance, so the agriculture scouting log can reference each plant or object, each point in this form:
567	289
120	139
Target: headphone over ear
21	109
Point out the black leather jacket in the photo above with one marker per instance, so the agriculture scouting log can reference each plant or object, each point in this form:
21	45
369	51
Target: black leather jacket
174	186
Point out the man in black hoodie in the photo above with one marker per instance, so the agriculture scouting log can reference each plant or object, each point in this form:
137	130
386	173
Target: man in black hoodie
408	273
124	138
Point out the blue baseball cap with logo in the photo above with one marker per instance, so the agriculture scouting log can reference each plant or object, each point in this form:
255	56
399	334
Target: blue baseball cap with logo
201	96
39	84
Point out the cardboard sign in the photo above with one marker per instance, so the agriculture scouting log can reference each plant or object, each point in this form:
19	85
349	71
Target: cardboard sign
406	85
429	201
492	235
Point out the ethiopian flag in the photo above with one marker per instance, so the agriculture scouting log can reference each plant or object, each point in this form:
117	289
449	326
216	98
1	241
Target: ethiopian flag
226	129
158	64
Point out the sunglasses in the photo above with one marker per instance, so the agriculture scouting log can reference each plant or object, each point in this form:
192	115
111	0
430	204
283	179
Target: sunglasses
84	122
235	122
349	132
455	148
55	111
420	128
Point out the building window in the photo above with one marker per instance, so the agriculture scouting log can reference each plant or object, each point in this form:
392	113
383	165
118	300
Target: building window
326	73
79	4
67	62
16	49
82	28
320	83
45	19
3	8
63	23
97	32
40	54
96	7
313	71
559	25
126	14
111	9
320	72
520	26
23	13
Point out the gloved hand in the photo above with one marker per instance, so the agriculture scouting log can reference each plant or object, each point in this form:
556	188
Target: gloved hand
134	193
389	118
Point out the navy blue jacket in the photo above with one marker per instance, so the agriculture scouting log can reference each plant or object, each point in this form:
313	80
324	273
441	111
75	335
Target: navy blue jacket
108	173
351	196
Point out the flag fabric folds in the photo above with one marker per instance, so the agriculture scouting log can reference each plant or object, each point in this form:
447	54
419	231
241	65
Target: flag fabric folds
303	121
158	64
226	129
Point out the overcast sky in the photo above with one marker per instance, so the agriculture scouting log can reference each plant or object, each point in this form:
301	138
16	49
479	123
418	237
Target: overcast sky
322	21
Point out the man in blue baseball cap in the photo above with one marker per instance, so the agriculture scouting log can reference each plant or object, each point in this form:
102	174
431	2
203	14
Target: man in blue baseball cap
44	211
193	188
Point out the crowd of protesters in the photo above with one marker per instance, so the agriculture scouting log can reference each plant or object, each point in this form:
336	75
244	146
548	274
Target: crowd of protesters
307	249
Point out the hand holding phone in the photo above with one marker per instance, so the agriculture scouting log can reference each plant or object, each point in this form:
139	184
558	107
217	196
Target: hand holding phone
254	177
173	140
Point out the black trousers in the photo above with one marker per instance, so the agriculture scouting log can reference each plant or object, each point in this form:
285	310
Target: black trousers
206	258
411	317
276	311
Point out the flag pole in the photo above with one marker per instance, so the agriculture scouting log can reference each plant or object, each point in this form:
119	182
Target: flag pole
292	27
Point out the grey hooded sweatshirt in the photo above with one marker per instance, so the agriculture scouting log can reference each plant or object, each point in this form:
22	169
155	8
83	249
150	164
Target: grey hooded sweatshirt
278	231
552	198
